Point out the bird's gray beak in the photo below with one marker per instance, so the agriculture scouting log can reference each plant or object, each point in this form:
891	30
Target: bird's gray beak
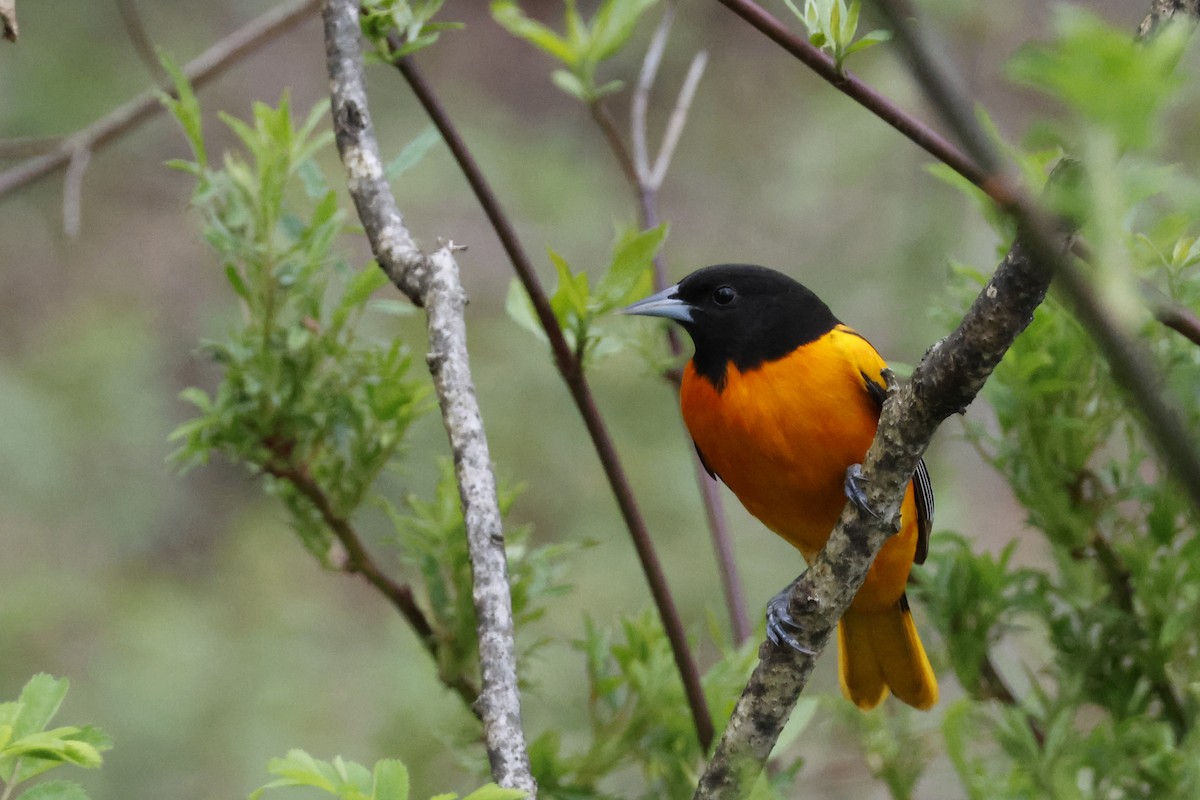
666	303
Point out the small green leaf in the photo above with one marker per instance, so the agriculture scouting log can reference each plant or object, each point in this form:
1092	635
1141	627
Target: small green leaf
369	280
571	293
54	790
412	152
628	274
298	768
391	780
869	40
235	280
520	309
570	83
494	792
186	109
40	700
613	24
393	308
510	17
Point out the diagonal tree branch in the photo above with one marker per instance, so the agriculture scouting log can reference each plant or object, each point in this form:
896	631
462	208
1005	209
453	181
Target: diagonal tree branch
571	369
946	381
433	282
1130	362
208	65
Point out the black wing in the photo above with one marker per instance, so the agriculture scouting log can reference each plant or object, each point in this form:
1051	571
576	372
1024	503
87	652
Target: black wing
704	463
923	492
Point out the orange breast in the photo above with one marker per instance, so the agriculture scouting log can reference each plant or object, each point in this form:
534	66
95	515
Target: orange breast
782	435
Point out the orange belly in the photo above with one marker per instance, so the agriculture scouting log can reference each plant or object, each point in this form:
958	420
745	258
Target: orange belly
781	437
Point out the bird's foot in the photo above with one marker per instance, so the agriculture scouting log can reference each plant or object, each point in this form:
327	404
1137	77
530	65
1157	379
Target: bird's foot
855	492
781	628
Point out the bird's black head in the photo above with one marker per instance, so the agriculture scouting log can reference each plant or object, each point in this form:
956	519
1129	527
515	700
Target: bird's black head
740	313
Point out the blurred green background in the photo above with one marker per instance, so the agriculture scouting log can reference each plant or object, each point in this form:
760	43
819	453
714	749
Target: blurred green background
192	626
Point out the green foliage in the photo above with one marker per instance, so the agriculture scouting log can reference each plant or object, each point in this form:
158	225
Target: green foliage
832	26
1112	703
639	717
347	780
302	399
413	19
579	308
322	411
1113	82
894	754
584	46
28	748
412	153
433	539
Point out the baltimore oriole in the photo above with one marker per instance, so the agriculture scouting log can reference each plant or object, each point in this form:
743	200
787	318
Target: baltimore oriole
782	401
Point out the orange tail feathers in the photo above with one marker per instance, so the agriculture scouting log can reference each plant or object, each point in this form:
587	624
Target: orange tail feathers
878	651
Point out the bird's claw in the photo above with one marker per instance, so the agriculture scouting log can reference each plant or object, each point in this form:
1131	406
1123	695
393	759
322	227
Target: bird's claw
855	492
781	628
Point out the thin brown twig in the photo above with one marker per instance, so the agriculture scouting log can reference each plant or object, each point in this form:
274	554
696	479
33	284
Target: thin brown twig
131	17
359	561
577	383
8	19
862	93
201	70
647	179
28	146
1175	316
612	135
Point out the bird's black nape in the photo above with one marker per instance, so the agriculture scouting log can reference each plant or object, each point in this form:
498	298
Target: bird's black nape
748	315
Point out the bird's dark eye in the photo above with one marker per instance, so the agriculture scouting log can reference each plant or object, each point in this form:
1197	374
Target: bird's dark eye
724	295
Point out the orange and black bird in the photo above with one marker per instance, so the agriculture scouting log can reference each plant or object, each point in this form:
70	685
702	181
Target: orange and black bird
782	401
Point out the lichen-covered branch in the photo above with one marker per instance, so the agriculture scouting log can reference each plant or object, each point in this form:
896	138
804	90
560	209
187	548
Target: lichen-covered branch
1130	362
1165	10
945	382
433	282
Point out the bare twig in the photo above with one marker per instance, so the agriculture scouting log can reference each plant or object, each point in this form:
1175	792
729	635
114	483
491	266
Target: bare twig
28	146
612	135
577	383
1178	318
73	192
862	93
142	43
433	282
8	19
208	65
947	379
678	119
358	560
